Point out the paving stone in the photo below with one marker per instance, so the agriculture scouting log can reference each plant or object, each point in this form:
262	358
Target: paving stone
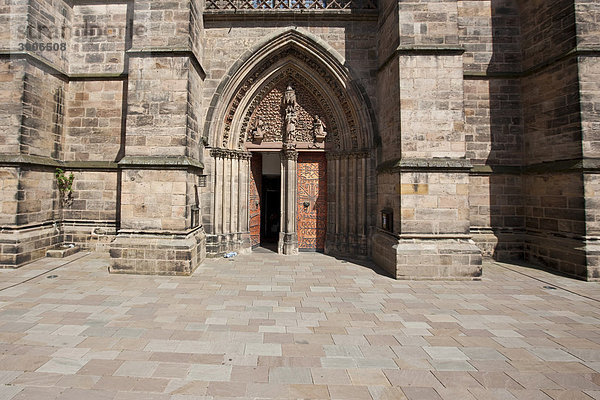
349	392
368	377
492	380
289	375
9	392
263	349
150	339
209	372
420	393
62	366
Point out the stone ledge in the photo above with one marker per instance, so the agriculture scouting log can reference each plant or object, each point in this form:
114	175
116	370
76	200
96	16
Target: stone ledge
217	245
425	164
154	162
169	52
47	162
423	50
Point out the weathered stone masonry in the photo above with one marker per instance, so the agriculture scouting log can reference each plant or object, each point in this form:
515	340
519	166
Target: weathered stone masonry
473	125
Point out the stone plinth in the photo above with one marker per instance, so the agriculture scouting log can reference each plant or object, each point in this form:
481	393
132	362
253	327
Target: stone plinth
431	258
157	254
20	246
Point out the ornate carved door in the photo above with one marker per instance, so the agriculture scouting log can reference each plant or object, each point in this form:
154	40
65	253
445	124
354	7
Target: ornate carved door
254	198
312	201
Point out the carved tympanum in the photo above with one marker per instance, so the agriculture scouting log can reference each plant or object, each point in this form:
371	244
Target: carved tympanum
287	112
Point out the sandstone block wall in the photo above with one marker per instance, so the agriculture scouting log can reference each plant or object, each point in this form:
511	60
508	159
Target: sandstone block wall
431	106
68	108
490	32
98	34
553	188
93	121
434	203
508	87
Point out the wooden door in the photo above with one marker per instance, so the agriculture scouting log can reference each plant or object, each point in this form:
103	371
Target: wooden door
312	201
254	198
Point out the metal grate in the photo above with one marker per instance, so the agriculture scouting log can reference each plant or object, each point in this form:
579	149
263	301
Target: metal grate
291	5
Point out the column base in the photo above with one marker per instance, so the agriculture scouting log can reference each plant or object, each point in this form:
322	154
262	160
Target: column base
354	246
217	245
433	258
23	245
503	245
287	244
154	254
592	249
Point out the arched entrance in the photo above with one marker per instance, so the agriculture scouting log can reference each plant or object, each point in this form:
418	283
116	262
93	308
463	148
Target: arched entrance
288	199
294	99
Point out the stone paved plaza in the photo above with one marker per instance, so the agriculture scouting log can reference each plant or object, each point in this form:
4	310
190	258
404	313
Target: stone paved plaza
264	326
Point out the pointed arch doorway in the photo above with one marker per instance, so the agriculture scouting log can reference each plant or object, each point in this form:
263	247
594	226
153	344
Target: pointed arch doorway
292	98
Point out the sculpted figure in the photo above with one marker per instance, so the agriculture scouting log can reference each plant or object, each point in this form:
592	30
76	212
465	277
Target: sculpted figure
319	129
289	99
289	102
258	129
290	128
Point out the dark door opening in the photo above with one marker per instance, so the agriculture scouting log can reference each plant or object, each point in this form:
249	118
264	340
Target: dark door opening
270	211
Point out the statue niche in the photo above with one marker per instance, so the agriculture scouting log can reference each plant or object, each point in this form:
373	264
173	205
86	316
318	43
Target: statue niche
287	113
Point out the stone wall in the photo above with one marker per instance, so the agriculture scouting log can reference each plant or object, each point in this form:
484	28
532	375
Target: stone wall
98	35
490	33
554	205
11	106
547	30
42	126
431	106
551	113
428	22
13	23
587	15
588	38
125	106
157	106
49	21
163	24
93	122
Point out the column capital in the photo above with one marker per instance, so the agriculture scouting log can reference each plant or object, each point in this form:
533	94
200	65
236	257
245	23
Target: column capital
289	154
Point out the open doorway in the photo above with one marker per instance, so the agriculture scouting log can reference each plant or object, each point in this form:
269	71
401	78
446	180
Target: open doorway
265	200
271	200
271	211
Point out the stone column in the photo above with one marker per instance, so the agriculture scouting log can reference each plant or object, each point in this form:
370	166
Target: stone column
423	179
161	164
288	236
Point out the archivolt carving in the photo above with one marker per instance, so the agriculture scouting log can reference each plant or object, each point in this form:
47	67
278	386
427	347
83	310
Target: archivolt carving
332	86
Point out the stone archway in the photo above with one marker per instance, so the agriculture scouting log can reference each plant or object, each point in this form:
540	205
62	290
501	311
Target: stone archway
293	97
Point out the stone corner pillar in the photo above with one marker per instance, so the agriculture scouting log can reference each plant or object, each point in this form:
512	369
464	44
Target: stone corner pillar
161	231
288	236
423	176
430	238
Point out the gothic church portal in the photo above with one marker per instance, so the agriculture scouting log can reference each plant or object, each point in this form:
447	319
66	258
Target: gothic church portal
423	135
